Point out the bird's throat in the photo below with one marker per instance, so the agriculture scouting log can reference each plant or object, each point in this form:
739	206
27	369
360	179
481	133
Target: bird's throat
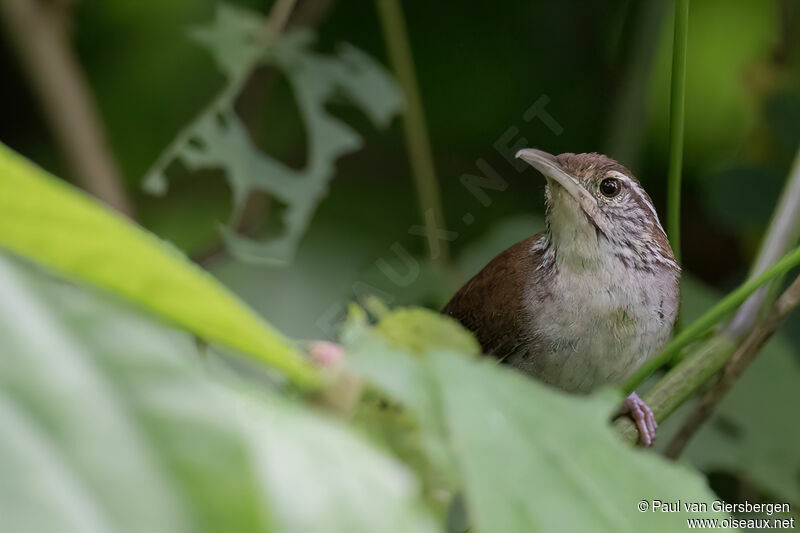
573	237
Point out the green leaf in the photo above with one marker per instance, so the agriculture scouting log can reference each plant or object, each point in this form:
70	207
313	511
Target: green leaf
110	423
534	459
218	139
418	434
417	330
54	224
528	457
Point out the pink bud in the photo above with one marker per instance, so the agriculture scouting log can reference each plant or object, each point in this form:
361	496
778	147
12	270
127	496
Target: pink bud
325	354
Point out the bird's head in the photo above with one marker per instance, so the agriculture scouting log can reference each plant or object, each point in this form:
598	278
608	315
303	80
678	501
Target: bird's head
596	205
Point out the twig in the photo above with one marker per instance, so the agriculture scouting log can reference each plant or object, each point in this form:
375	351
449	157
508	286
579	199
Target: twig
253	95
710	356
674	388
416	132
279	15
737	364
676	112
711	317
702	363
782	233
310	13
38	31
226	98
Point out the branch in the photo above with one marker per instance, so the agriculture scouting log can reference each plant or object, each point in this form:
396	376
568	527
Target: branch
741	359
416	132
712	355
249	219
705	361
40	36
782	233
310	13
251	101
279	15
674	388
710	318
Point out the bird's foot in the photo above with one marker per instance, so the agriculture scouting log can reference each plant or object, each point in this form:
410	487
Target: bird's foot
642	416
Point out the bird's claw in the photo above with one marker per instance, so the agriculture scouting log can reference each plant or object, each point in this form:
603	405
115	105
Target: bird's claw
642	416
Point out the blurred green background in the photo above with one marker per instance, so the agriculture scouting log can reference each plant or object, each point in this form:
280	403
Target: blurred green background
603	69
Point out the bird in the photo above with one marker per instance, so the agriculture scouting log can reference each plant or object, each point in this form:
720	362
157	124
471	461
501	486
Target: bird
588	301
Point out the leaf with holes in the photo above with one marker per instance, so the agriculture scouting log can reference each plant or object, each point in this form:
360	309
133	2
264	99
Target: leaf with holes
218	139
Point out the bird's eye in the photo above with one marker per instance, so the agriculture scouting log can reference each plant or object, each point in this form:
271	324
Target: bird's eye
610	187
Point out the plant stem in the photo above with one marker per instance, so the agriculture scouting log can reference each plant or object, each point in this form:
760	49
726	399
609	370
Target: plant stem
713	316
39	32
738	363
279	14
673	389
710	356
248	219
782	233
676	122
416	132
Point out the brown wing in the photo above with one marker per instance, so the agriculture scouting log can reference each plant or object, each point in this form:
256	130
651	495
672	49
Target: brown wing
491	303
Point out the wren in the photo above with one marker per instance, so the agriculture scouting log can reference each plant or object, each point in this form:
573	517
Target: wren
589	300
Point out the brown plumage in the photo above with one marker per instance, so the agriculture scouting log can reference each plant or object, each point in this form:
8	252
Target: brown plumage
491	303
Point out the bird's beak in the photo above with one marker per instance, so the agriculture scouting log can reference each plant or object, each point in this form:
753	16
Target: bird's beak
548	165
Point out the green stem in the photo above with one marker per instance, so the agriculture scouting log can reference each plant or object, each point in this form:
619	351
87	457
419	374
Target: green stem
713	316
783	233
673	389
676	110
416	132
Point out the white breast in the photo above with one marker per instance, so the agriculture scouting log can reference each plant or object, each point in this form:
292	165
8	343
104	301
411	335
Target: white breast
600	323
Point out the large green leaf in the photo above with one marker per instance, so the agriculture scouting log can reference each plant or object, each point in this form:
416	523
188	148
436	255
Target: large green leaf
529	458
386	358
533	459
56	225
109	423
218	138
